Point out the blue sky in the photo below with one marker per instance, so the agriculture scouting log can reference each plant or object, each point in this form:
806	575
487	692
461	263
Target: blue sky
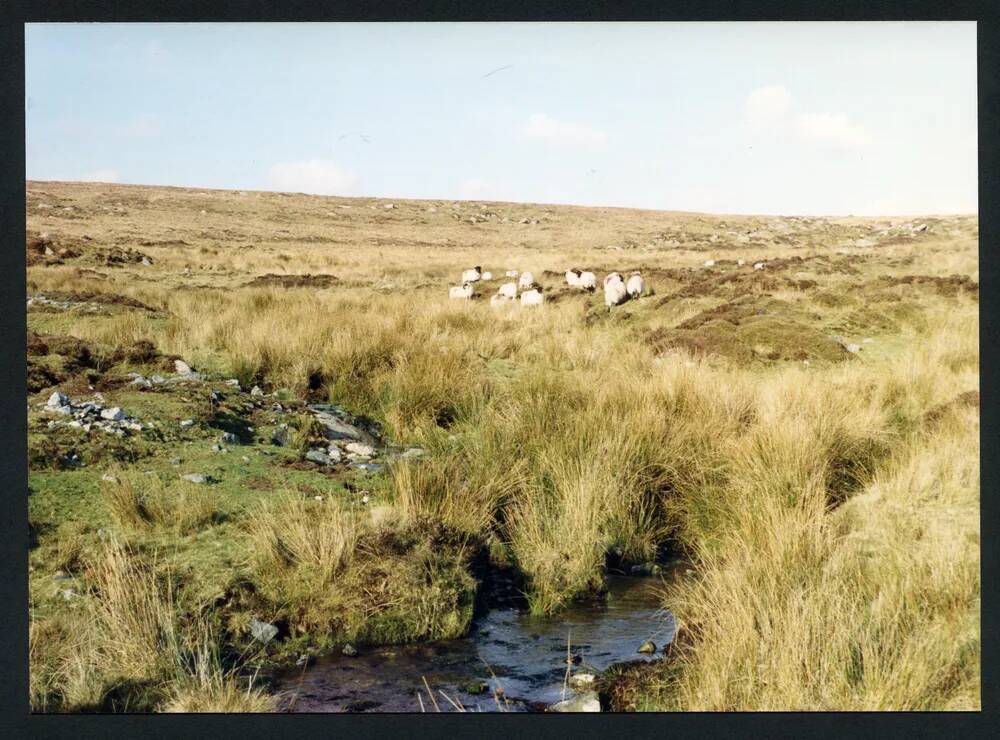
775	118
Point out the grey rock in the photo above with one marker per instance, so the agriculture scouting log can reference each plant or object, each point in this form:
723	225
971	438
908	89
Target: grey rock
305	660
233	382
647	647
360	449
319	457
262	631
256	391
110	478
157	379
57	400
67	410
336	428
176	461
228	438
216	448
113	414
182	367
187	424
195	478
334	454
349	650
414	452
280	436
580	680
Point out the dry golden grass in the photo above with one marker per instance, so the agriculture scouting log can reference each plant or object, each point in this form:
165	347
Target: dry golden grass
830	512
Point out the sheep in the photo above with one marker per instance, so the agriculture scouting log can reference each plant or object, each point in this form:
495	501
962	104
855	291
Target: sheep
636	286
614	289
508	290
465	292
487	276
500	299
526	281
740	263
759	265
511	273
709	263
587	281
532	297
573	278
471	276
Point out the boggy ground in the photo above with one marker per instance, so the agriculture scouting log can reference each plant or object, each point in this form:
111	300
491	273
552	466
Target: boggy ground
805	434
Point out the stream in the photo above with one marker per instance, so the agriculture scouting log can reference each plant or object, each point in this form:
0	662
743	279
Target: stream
506	648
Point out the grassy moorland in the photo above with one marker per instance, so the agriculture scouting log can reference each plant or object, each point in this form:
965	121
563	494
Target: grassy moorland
806	434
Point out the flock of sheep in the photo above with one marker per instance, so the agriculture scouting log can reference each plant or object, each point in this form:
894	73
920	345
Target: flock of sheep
616	288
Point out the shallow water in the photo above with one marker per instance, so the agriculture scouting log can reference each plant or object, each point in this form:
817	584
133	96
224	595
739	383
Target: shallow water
507	648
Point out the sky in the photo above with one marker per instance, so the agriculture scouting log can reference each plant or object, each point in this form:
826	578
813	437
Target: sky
873	118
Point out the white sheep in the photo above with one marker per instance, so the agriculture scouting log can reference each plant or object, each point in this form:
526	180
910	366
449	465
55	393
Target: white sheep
486	276
635	286
471	276
740	263
500	299
532	297
709	263
759	265
614	289
511	273
464	292
587	281
573	278
526	281
508	290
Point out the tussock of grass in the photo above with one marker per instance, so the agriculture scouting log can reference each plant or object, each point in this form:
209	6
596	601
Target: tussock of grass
140	502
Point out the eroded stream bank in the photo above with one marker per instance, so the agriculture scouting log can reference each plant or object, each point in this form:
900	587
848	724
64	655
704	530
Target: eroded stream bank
507	648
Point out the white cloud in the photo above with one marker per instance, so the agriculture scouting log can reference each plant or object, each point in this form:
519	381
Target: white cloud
144	126
829	129
314	176
100	176
768	105
543	126
770	108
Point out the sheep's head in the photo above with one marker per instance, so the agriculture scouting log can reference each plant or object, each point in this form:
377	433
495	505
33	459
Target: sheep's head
477	268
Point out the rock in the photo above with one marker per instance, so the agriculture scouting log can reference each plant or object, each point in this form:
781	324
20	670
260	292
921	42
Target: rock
182	367
176	461
228	438
853	348
646	569
256	391
195	478
216	448
113	414
647	647
334	454
709	263
349	650
336	428
157	379
389	206
319	457
586	702
187	424
280	436
57	399
305	660
475	686
360	449
262	631
413	452
110	478
67	410
233	382
581	680
146	261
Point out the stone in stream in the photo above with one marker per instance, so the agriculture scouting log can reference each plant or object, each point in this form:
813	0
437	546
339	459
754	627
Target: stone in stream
349	650
262	631
581	680
586	702
647	647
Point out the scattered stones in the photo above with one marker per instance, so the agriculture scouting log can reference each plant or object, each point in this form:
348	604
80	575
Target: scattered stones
349	650
262	631
114	414
57	400
647	647
187	424
195	478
